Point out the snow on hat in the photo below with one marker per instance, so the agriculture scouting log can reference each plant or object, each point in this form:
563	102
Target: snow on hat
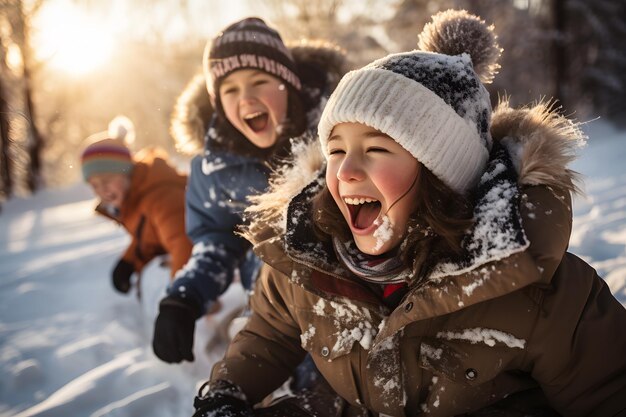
431	101
107	152
248	44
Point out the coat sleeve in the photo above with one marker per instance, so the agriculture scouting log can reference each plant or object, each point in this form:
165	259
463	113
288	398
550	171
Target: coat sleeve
266	352
166	212
214	207
578	350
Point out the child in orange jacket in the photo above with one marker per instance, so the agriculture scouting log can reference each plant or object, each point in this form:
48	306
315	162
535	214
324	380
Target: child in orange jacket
144	194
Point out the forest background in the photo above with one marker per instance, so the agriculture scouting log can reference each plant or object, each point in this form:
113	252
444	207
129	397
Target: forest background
67	67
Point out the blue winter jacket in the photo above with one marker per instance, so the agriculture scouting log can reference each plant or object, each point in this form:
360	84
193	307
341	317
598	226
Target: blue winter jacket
217	191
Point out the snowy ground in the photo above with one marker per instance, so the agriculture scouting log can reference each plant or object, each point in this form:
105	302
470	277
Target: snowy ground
71	346
599	233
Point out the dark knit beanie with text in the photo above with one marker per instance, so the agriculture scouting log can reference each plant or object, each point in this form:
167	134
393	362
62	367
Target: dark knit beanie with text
248	44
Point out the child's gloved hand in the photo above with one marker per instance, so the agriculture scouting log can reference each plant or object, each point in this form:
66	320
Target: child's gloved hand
221	398
173	330
121	276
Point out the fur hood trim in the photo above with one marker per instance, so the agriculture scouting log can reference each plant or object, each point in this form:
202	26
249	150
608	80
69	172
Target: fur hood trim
541	143
268	211
191	115
193	109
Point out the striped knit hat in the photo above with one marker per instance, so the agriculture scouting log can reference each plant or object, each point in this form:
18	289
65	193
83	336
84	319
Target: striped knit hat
106	156
107	152
431	101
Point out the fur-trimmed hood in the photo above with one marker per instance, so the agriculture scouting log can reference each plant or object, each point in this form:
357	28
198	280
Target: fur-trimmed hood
316	60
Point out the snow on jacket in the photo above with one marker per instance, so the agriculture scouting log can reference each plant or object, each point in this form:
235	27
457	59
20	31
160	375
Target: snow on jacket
153	213
519	322
221	182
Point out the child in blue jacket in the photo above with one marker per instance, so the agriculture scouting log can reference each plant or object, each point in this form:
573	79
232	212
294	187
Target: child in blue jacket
260	94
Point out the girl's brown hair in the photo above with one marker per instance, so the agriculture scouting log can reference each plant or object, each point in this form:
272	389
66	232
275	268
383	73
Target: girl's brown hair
434	231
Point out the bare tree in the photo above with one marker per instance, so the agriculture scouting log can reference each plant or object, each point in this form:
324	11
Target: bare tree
308	17
5	167
22	31
349	23
17	15
594	41
6	179
559	51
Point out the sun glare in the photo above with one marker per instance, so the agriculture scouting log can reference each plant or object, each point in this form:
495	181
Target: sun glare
71	40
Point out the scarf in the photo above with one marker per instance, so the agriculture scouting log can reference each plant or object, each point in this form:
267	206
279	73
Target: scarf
379	269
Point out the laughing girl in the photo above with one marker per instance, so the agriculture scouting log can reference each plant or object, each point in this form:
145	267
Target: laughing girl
424	265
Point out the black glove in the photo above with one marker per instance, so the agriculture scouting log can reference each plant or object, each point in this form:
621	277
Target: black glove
221	398
173	330
121	276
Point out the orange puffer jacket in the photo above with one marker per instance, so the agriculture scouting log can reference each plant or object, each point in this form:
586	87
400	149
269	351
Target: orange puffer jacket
154	214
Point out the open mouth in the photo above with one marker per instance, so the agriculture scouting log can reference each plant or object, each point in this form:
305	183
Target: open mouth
257	121
363	211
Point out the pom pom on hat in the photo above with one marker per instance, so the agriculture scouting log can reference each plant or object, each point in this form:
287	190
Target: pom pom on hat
455	32
108	152
121	127
431	103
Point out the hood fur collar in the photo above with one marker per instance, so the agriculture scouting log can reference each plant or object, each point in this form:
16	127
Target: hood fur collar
193	110
540	141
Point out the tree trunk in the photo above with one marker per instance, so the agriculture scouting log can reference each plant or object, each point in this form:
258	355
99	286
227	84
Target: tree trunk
36	142
560	50
5	162
36	139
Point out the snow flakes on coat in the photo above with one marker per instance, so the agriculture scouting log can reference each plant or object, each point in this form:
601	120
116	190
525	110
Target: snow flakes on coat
497	232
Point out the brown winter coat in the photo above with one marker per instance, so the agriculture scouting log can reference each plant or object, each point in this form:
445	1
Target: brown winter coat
153	213
538	327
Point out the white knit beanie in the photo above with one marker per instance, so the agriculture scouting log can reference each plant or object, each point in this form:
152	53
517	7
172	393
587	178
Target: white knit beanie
431	101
